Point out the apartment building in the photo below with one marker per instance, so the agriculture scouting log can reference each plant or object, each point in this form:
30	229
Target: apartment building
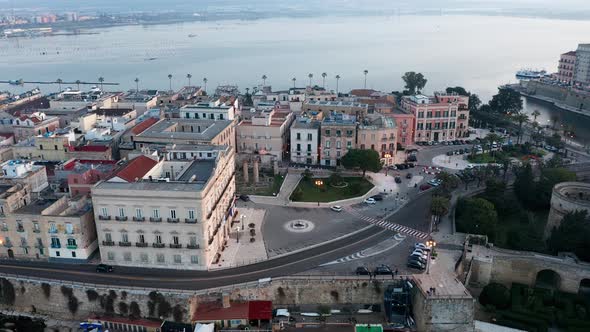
305	138
74	100
187	95
224	108
356	109
566	67
50	146
177	214
338	135
24	172
582	68
30	125
78	176
404	122
265	134
442	117
140	101
379	133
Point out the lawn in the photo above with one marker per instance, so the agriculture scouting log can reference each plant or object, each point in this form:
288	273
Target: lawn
265	189
307	191
516	151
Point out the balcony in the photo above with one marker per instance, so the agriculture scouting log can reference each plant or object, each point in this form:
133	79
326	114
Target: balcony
173	220
121	218
20	229
139	219
108	243
192	246
141	244
104	217
55	245
36	231
220	196
175	246
53	231
158	245
72	246
152	219
190	221
124	244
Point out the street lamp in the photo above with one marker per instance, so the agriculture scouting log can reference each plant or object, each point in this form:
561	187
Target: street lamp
431	244
319	183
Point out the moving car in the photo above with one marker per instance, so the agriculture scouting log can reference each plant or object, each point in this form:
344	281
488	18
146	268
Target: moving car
362	271
245	198
398	179
383	270
370	200
336	208
377	197
435	182
104	268
425	187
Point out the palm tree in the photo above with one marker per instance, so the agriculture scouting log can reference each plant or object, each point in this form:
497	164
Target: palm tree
189	76
521	119
294	80
136	85
365	72
205	83
337	80
59	82
101	80
310	77
324	80
170	81
78	84
264	77
535	114
555	120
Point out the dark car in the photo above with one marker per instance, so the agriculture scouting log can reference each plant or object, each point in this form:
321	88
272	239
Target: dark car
412	165
377	197
245	198
409	176
450	153
104	268
417	257
383	270
412	158
425	187
362	271
415	264
398	179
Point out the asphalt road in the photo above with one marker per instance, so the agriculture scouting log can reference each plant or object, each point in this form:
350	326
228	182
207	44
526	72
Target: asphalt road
195	280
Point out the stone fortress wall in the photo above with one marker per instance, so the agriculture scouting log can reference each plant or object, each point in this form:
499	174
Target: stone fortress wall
567	197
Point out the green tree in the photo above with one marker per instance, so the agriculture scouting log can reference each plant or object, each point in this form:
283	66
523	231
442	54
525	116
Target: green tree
535	115
496	295
439	206
520	119
573	234
506	101
524	185
549	178
458	90
477	216
414	82
474	102
366	160
335	178
449	182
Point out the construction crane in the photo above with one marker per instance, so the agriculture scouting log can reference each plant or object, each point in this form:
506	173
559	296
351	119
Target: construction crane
23	82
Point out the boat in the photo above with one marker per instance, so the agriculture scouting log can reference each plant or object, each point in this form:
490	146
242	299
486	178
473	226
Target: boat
150	59
192	35
527	74
310	314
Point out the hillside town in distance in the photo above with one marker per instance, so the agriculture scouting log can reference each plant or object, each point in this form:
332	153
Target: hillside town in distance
199	208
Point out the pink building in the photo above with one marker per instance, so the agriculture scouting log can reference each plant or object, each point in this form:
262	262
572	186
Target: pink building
566	67
442	117
405	126
82	174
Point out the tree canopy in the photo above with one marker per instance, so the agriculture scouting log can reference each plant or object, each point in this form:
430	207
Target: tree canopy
439	206
507	101
366	160
573	235
477	216
458	90
414	82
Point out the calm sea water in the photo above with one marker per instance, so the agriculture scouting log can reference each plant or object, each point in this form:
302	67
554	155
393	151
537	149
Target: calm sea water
477	52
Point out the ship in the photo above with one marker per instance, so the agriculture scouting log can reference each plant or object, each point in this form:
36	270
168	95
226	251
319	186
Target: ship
528	74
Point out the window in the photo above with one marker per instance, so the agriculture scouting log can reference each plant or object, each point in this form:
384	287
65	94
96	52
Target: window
298	147
327	144
193	240
40	146
52	228
338	133
143	257
191	214
327	153
309	137
159	239
428	114
127	256
177	259
194	259
71	242
19	226
175	240
55	147
173	214
156	213
308	147
55	243
437	114
36	227
420	114
338	144
349	133
298	136
160	258
337	154
108	237
141	238
349	144
124	237
327	133
69	228
138	213
104	212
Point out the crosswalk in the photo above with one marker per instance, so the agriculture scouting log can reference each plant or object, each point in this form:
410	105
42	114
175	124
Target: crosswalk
388	225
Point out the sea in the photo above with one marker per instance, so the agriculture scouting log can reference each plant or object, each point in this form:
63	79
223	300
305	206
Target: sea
476	52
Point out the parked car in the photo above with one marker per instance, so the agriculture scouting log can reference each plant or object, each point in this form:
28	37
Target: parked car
104	268
362	271
412	158
392	167
420	245
336	208
414	264
377	197
450	153
435	182
245	198
420	253
425	187
419	258
409	176
370	200
382	270
398	179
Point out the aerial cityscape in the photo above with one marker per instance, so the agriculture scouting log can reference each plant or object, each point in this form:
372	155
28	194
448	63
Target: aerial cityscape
318	167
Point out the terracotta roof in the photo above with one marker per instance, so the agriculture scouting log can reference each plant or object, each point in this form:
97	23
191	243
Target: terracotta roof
238	310
136	168
142	126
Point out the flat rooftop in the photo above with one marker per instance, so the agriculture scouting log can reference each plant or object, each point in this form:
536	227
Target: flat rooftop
445	285
189	129
200	169
36	207
4	188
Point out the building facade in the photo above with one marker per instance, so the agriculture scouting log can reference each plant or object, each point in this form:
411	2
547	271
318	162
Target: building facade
566	67
338	135
405	124
266	133
305	138
177	215
378	133
442	117
582	72
356	109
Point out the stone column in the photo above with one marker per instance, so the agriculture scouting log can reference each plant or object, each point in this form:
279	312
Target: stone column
245	169
255	170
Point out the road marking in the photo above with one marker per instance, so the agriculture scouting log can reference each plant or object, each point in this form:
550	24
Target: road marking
386	224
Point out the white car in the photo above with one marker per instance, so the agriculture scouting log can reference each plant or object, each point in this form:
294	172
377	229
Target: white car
336	208
421	246
420	251
435	182
370	200
417	253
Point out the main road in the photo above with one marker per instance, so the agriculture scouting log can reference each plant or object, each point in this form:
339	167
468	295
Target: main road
194	280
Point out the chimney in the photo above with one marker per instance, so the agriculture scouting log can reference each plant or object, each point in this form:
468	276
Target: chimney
225	300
